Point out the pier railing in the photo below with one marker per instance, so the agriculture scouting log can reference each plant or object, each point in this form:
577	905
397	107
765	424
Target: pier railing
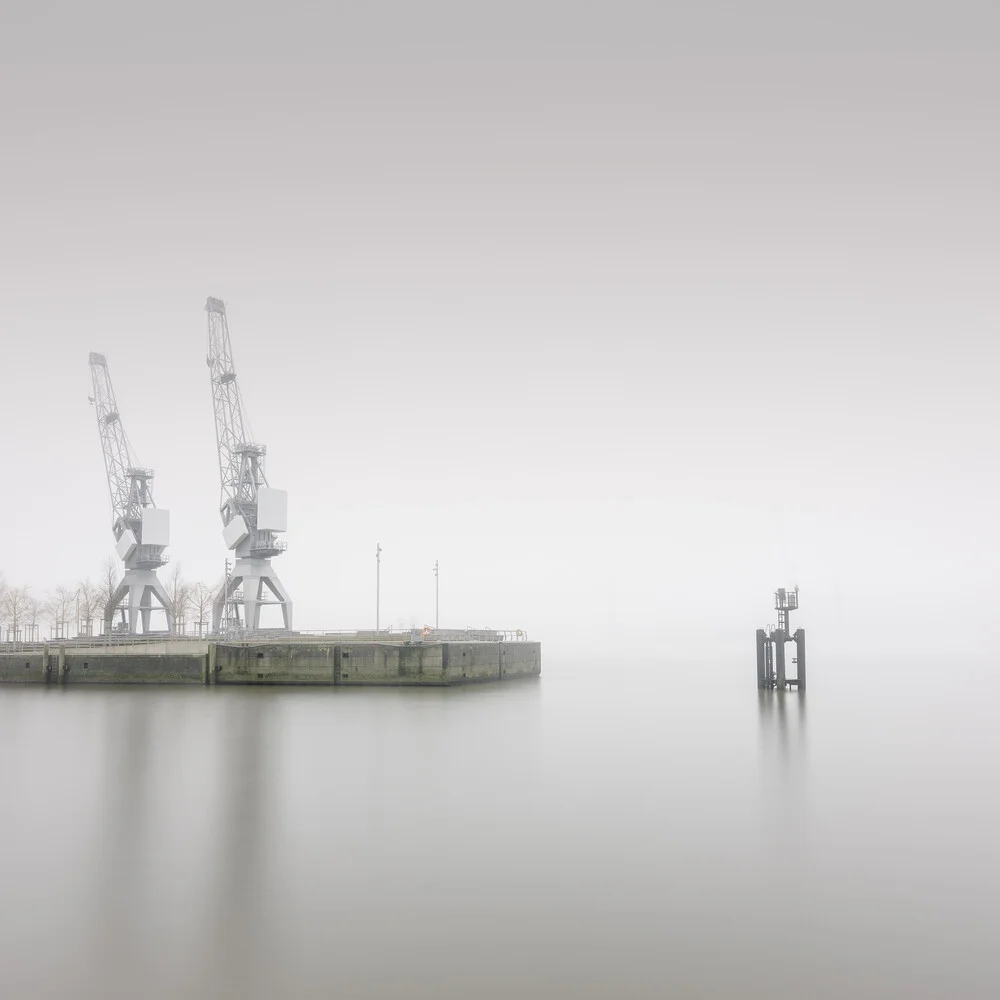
394	636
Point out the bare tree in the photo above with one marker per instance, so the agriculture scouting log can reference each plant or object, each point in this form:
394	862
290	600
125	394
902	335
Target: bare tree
88	597
107	587
34	608
200	602
15	609
179	593
59	609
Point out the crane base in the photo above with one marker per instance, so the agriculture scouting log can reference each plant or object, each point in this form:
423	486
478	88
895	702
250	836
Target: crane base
237	605
133	598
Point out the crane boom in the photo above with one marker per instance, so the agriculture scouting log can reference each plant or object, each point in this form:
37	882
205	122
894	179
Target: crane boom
128	485
141	530
253	514
230	429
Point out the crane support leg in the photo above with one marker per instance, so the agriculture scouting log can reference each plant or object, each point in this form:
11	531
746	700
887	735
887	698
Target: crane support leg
121	591
134	595
219	603
281	596
252	576
145	606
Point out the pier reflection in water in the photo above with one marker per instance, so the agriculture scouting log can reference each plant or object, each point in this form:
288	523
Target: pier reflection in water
783	732
571	836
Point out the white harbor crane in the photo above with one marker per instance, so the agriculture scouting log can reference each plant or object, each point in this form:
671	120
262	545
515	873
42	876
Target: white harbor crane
253	514
141	529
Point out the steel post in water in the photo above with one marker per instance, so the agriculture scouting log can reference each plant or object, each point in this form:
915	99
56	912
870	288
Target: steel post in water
779	656
800	656
771	664
761	658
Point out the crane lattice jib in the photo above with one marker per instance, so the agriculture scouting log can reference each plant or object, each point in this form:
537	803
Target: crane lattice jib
241	462
129	486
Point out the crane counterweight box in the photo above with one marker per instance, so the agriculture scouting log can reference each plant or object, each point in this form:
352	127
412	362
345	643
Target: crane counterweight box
155	526
125	545
235	532
272	509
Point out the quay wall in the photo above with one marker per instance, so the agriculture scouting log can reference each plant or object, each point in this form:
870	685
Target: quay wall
22	668
316	662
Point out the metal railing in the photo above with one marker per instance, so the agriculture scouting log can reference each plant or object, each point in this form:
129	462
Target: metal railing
786	600
396	636
22	646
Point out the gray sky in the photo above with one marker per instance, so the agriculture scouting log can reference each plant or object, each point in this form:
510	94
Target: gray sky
628	315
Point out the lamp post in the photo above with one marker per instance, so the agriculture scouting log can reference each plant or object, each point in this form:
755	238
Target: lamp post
224	621
436	601
378	581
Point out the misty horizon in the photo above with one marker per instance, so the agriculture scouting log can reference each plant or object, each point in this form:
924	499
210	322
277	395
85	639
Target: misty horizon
622	316
606	316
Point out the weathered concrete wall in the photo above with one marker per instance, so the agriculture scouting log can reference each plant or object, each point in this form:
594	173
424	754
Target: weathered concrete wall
520	659
289	662
95	666
473	661
22	668
274	663
376	663
352	663
98	667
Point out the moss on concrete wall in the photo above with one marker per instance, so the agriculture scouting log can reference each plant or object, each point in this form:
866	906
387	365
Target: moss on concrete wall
298	662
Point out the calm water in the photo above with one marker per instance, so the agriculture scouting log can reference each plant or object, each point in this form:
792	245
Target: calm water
602	832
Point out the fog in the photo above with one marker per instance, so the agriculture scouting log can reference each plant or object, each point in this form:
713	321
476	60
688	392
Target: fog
628	314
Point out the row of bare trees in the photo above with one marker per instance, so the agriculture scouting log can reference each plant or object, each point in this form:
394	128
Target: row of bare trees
191	603
78	610
20	610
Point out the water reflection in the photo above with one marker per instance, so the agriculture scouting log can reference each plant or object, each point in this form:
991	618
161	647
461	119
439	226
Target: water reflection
784	743
239	844
123	837
562	838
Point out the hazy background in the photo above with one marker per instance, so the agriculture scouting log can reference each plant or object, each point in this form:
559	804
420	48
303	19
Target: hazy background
628	313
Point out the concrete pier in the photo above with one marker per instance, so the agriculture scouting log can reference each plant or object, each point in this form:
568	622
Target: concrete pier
301	660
